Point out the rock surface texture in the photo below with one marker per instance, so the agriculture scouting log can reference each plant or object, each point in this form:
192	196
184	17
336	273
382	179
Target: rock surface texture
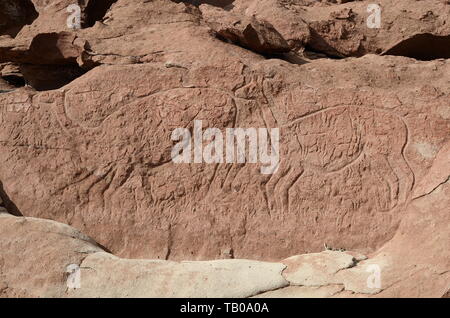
358	206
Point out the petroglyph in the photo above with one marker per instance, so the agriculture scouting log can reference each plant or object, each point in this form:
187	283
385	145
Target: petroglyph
364	141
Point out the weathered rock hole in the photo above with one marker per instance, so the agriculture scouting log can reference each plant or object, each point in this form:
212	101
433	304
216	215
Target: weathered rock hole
96	11
15	14
424	47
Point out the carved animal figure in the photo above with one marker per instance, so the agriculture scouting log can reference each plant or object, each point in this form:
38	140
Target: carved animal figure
329	140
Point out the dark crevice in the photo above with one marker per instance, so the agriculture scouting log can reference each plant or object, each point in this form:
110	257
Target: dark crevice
7	203
14	80
226	4
424	47
107	250
96	11
314	54
290	56
318	45
48	77
15	14
317	48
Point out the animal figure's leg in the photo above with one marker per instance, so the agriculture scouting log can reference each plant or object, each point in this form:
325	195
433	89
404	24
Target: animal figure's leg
290	169
382	169
401	167
273	182
405	178
230	176
295	172
387	152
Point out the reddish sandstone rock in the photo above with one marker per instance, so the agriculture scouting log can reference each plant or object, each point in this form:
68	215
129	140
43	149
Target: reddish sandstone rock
288	22
259	36
35	254
409	265
363	141
96	154
341	29
51	249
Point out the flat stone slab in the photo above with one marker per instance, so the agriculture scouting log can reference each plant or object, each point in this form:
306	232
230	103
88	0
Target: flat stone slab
316	269
101	273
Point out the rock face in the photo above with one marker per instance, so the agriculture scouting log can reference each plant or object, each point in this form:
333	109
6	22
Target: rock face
86	139
48	248
349	28
410	265
15	14
260	37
